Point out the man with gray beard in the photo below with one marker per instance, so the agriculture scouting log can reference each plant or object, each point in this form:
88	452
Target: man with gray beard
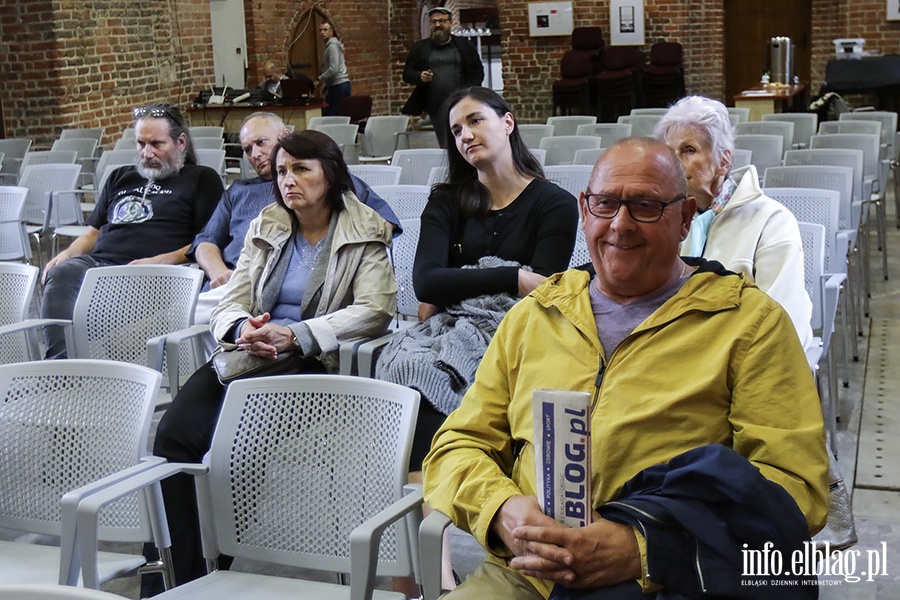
439	65
147	213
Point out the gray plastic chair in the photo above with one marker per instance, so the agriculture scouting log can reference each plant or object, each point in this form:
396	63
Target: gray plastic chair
888	120
609	133
304	471
568	124
580	254
66	424
52	592
742	115
588	156
572	178
783	128
212	158
93	133
805	125
207	131
767	150
407	201
14	150
533	133
649	111
43	182
740	158
561	149
383	136
416	164
14	243
17	283
208	143
46	157
868	127
377	174
641	125
314	122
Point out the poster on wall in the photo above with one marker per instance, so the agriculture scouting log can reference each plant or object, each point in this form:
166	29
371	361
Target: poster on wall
626	18
893	10
549	18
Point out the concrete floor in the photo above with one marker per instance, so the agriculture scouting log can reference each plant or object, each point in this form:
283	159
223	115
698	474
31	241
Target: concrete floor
867	439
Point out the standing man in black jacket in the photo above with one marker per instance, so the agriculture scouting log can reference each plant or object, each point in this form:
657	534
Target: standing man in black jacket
437	66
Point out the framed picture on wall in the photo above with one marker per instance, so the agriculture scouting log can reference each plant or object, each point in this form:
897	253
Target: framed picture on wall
893	10
626	18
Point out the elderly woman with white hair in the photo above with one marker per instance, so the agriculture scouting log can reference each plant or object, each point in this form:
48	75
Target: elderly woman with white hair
736	223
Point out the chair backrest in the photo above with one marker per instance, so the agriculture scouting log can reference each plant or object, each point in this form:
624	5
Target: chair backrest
403	255
93	133
804	125
743	114
868	143
83	147
44	157
440	174
561	149
407	201
111	159
533	133
67	423
869	127
576	64
839	179
127	134
783	128
14	149
314	122
298	461
125	144
588	156
540	154
580	255
888	120
567	125
358	108
207	131
381	137
13	238
119	308
610	133
416	164
812	236
649	111
837	157
572	178
377	174
208	143
767	150
820	206
666	54
741	158
212	158
16	289
41	180
641	125
342	133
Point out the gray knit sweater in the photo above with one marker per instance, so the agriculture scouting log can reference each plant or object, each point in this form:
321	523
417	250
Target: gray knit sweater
438	357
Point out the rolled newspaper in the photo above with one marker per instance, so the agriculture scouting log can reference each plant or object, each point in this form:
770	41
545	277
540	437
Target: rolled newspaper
562	455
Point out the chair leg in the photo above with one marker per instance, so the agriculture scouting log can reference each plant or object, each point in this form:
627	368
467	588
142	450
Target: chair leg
831	413
851	311
881	218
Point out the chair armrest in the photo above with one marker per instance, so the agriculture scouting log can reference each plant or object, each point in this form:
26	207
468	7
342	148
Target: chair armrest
29	325
813	355
89	508
366	353
831	288
173	351
431	536
70	559
365	540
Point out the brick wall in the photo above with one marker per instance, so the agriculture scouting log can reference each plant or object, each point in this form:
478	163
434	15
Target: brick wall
73	63
69	63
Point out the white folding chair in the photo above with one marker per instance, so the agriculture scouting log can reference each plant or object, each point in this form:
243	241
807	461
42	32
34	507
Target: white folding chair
43	181
46	157
740	158
382	137
437	175
783	128
568	124
533	133
85	150
207	131
588	156
767	150
741	114
94	133
580	254
208	143
14	150
344	135
805	125
314	122
649	111
641	125
17	283
561	149
212	158
572	178
609	133
14	243
315	479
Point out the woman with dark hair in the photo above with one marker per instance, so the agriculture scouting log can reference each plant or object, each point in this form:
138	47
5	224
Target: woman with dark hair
489	236
313	273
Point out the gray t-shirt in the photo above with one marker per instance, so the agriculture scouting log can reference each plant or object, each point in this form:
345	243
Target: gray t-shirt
616	321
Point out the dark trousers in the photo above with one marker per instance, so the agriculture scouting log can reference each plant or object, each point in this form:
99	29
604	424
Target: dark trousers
333	98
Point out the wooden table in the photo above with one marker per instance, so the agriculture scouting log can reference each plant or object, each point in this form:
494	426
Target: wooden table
231	117
768	101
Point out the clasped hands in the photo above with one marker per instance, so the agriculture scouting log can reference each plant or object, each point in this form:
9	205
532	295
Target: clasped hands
261	338
600	554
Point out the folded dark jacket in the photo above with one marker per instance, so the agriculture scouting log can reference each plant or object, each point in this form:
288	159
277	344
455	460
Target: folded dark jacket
699	513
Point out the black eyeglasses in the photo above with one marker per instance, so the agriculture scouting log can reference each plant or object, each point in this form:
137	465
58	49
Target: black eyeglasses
642	210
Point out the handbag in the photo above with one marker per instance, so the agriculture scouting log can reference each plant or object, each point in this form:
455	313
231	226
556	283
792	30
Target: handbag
231	365
840	529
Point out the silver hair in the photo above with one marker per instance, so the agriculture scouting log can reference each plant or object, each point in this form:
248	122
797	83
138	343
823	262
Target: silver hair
273	119
708	116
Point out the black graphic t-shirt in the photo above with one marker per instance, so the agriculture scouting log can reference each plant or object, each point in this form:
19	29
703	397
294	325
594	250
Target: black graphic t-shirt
138	219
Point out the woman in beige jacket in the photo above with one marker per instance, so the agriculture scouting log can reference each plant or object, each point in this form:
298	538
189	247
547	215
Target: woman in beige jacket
314	272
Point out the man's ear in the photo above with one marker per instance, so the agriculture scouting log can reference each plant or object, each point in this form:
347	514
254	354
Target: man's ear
284	133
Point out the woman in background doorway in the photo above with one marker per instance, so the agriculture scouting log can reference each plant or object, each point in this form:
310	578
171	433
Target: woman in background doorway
333	79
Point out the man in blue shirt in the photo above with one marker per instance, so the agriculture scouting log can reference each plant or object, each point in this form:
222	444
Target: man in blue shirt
217	248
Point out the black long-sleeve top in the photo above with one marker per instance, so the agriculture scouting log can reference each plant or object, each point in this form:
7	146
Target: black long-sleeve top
536	229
